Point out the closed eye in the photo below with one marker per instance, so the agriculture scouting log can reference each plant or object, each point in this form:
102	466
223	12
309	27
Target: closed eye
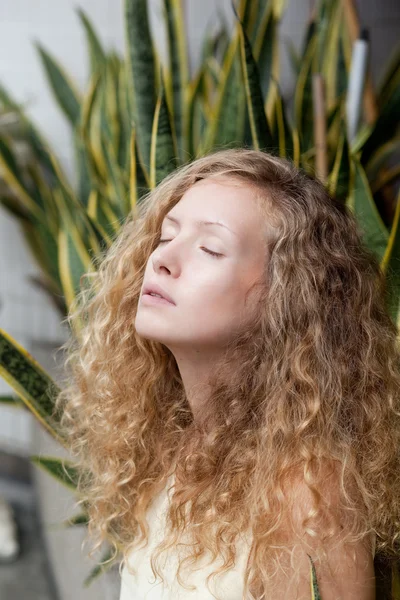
214	254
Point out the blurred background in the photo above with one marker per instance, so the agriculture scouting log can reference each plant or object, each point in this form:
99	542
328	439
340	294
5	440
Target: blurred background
50	564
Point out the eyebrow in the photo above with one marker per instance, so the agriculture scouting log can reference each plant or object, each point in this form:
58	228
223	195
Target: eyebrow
203	223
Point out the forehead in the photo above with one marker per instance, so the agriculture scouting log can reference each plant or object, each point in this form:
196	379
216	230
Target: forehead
221	199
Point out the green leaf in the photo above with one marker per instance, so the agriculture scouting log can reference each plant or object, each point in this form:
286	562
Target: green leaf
123	118
74	260
390	265
43	243
294	58
11	401
382	155
138	184
389	77
178	72
82	167
36	142
386	124
342	79
141	58
226	119
361	202
315	593
266	50
64	91
339	178
118	193
193	102
303	103
109	559
103	219
61	469
260	130
282	137
13	176
96	52
76	520
163	147
30	381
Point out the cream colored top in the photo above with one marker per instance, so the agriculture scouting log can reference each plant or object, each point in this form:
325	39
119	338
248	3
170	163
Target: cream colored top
143	585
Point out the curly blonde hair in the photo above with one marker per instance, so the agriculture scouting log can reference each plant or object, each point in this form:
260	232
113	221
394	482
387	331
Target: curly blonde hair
312	386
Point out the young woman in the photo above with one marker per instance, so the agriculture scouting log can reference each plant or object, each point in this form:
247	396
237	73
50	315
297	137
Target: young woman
247	422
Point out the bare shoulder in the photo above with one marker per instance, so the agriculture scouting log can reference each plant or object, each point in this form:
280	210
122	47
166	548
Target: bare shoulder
347	572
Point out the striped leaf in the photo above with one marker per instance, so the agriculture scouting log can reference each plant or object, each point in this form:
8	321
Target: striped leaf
390	265
338	184
13	176
74	261
342	68
103	218
138	184
331	57
96	51
76	521
123	111
70	211
303	104
385	178
387	122
361	202
36	142
389	78
42	241
266	54
92	134
294	57
315	593
82	167
11	401
68	98
176	79
261	134
282	136
193	101
61	469
106	562
30	381
382	156
226	121
117	191
110	98
163	145
141	58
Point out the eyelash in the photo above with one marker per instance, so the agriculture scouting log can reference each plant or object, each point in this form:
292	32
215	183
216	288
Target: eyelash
213	254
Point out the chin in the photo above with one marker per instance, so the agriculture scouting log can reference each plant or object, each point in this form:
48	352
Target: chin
148	330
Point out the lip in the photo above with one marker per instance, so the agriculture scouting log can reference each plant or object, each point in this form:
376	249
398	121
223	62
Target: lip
153	287
150	300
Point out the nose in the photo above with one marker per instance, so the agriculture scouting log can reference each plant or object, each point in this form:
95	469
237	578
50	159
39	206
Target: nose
164	260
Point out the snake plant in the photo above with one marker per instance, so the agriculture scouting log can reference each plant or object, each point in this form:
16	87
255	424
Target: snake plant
139	118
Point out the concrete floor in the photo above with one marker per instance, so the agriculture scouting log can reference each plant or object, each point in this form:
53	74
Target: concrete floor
29	576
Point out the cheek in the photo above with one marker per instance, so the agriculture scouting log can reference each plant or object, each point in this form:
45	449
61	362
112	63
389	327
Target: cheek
222	296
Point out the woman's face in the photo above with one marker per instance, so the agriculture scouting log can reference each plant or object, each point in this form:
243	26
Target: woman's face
209	292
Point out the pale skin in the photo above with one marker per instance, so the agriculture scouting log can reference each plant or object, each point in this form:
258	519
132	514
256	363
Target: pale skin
210	301
209	292
348	574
